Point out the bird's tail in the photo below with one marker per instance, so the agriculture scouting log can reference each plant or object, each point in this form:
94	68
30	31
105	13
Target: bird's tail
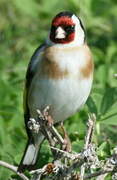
30	155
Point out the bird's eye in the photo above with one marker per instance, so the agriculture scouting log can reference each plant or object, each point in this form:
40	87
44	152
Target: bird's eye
69	29
53	28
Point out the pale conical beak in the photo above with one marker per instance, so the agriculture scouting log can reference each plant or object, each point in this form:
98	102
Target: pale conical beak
60	33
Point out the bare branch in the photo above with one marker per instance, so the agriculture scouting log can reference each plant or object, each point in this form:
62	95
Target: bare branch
91	126
109	166
13	168
101	172
60	170
88	139
65	164
68	155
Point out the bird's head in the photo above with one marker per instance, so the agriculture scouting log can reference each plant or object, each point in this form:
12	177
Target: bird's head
67	28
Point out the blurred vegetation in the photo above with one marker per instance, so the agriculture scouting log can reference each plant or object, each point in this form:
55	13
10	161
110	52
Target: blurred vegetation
24	25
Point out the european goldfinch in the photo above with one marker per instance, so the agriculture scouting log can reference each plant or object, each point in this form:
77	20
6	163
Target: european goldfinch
60	75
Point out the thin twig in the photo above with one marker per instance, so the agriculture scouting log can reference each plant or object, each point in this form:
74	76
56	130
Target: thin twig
68	155
88	139
91	125
101	172
57	135
110	165
13	168
78	159
85	159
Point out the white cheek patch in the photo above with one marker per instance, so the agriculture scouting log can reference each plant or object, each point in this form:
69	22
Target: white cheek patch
79	32
60	33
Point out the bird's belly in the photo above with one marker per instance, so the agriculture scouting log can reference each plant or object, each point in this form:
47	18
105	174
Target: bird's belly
64	96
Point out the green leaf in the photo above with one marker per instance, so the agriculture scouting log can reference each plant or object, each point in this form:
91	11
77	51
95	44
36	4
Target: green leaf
97	98
102	74
110	117
109	98
110	120
91	105
77	145
102	149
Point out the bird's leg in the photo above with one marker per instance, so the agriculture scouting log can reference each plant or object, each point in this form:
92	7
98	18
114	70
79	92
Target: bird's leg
52	135
67	144
50	125
49	131
47	117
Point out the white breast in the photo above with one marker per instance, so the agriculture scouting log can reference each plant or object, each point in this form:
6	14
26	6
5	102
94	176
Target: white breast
64	96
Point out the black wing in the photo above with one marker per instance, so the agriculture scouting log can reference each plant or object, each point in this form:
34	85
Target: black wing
29	76
32	65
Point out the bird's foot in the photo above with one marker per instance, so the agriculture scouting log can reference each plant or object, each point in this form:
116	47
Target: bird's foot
33	125
44	116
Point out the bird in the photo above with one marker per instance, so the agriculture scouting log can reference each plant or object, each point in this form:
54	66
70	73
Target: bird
59	74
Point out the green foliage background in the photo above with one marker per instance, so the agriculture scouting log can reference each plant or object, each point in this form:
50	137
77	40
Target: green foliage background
24	24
